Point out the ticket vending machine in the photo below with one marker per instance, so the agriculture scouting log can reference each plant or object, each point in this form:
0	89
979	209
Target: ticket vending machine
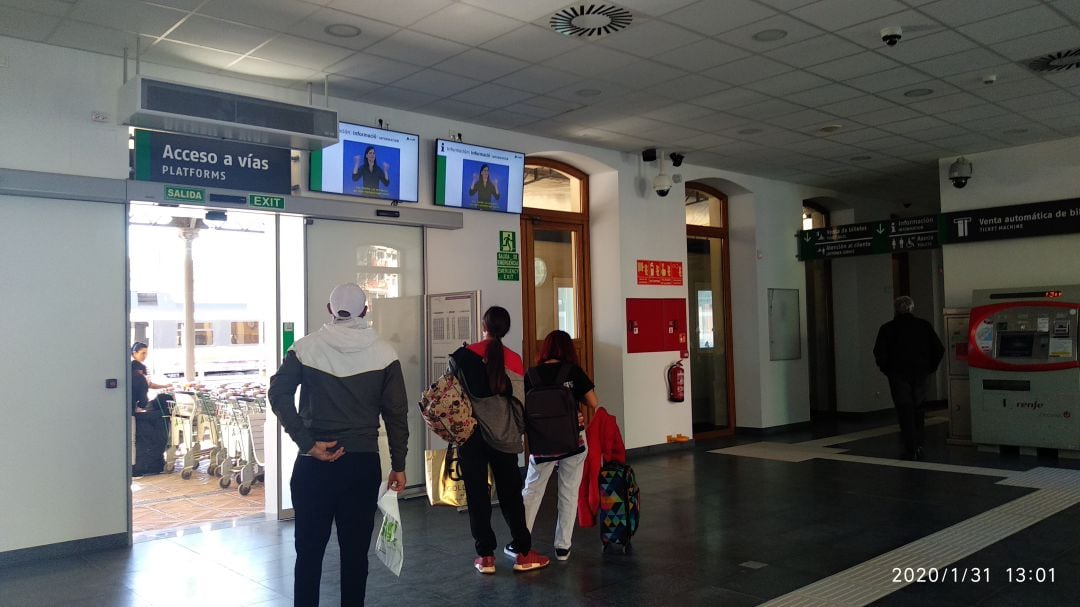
1024	370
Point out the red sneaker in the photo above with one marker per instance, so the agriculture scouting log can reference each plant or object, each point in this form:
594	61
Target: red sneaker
530	561
485	564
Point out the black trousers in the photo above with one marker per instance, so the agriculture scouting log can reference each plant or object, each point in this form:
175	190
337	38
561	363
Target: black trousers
344	492
909	397
476	455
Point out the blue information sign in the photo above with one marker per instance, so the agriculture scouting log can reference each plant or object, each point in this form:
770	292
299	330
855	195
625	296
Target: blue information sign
180	159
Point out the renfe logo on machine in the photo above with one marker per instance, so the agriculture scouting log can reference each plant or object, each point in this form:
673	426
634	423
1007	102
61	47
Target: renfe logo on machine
1034	404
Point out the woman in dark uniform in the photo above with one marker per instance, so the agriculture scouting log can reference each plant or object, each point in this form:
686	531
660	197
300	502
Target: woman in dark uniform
151	425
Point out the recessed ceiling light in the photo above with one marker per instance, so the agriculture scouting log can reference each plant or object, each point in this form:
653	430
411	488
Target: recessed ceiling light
830	128
748	131
859	158
770	35
587	92
918	92
342	30
1014	131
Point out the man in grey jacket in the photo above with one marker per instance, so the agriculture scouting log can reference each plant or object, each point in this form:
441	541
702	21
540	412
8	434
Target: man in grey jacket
348	377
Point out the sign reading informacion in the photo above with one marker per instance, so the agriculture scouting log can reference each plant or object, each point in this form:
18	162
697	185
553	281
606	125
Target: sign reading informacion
659	273
508	265
199	161
871	238
1014	221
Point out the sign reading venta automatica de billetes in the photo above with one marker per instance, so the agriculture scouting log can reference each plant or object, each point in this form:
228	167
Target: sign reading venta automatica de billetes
180	159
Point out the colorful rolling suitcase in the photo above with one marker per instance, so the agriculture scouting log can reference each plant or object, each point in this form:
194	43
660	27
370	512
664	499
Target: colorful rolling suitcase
619	507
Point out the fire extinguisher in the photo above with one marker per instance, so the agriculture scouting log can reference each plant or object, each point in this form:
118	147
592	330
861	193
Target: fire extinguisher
676	377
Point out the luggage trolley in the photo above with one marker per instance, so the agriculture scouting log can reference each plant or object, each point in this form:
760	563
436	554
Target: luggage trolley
182	432
245	441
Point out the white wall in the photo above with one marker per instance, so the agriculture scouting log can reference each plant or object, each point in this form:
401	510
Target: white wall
1031	173
862	302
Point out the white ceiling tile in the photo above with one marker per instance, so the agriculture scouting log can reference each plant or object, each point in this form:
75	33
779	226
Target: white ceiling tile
858	105
769	108
350	88
401	13
790	82
888	79
837	14
679	113
947	103
960	12
996	125
654	7
492	95
779	137
1014	25
801	119
747	70
1067	79
928	47
938	132
56	8
815	50
538	79
271	69
545	107
885	143
139	18
938	88
688	87
1039	44
393	97
920	123
440	84
1069	7
590	60
466	24
93	38
522	11
644	74
630	125
1010	90
831	93
297	51
968	144
854	66
505	119
811	146
451	108
179	54
609	92
886	116
703	141
858	136
650	38
415	48
481	65
314	28
670	135
787	5
532	43
372	68
185	5
701	55
974	59
977	112
728	99
797	31
220	35
1045	100
710	17
637	102
1006	73
278	15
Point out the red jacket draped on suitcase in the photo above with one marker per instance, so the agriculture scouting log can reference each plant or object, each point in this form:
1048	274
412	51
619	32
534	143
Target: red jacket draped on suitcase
605	445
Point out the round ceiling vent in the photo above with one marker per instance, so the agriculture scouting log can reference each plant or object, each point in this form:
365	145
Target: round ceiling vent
591	20
1055	62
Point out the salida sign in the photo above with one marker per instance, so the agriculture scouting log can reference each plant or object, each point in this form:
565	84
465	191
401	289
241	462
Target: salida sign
181	159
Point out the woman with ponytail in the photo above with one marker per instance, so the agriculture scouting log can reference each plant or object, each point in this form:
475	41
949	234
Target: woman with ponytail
490	369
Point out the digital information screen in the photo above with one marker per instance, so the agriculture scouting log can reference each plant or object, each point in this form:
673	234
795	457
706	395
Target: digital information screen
368	162
475	177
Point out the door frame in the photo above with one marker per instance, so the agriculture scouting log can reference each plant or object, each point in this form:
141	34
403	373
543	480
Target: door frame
545	219
720	233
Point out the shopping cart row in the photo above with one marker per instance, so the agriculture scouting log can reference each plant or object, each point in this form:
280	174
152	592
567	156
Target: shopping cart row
224	430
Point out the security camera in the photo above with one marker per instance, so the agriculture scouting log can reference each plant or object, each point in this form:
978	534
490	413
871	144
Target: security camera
891	35
989	79
661	184
960	172
676	159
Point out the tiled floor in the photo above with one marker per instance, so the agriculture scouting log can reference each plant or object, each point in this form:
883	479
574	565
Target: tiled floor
166	501
716	529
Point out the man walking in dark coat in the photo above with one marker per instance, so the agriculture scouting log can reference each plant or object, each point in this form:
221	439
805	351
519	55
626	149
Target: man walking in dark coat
908	351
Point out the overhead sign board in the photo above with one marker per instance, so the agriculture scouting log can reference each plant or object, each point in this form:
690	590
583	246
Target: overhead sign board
1015	221
199	161
870	238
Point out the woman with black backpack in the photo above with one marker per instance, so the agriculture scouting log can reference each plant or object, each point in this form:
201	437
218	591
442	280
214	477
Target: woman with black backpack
558	363
485	368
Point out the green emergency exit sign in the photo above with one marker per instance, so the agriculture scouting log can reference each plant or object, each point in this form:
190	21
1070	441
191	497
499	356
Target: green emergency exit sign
180	194
266	202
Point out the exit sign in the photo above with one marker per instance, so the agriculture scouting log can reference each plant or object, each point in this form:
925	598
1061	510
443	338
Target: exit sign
266	202
178	194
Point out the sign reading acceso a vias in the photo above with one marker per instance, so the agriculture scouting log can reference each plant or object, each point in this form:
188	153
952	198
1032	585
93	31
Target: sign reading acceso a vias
198	161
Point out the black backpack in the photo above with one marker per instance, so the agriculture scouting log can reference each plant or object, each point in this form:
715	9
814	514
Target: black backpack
551	414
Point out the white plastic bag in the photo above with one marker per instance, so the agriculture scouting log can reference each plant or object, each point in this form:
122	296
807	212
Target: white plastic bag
389	546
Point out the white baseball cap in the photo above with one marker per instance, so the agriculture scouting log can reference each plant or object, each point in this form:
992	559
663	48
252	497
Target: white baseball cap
348	300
